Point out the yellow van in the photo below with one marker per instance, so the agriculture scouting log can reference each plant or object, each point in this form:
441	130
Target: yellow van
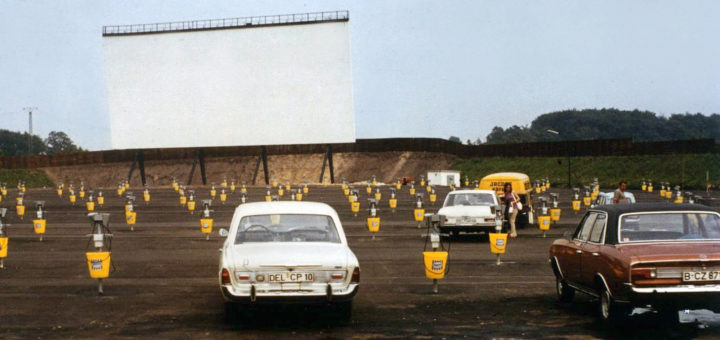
520	182
521	185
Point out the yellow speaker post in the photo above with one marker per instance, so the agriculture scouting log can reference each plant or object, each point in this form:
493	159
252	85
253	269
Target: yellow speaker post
373	224
392	203
435	264
39	227
555	214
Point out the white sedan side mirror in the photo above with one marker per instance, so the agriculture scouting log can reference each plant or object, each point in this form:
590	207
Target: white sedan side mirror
223	232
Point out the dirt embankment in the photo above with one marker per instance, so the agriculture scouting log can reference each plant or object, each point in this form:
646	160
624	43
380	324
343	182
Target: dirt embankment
386	166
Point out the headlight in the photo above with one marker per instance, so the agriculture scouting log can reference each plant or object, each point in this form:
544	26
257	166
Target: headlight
450	220
260	277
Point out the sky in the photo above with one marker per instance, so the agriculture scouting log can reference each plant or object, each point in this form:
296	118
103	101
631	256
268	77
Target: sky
420	68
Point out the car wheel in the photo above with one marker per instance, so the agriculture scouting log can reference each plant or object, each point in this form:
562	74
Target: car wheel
669	315
232	312
343	312
237	314
565	293
611	312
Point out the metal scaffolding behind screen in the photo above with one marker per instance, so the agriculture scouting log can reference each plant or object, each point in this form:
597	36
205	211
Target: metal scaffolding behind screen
246	22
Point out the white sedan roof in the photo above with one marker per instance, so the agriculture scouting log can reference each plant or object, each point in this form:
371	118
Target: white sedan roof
285	207
471	191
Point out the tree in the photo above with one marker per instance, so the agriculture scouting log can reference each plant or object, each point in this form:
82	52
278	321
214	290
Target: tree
16	143
609	123
59	142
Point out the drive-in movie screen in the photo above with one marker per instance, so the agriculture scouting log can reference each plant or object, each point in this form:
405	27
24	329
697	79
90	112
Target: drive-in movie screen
346	169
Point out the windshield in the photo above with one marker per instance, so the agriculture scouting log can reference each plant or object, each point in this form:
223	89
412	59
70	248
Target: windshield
287	228
470	199
669	227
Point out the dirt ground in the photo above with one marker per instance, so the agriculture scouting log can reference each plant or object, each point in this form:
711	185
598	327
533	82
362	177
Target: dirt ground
164	283
354	167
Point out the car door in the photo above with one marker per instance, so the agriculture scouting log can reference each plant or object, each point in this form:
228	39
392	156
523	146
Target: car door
573	257
591	256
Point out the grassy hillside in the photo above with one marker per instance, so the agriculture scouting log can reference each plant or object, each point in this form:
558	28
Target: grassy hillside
33	178
688	169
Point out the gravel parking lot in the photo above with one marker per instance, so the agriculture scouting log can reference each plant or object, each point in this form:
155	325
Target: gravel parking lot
164	284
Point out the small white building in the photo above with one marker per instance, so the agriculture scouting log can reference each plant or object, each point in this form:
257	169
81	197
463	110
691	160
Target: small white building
444	177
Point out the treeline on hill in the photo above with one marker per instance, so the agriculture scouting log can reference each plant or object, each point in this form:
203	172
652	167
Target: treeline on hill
688	170
16	143
608	124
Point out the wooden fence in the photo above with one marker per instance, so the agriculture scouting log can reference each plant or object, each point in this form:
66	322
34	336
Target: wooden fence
603	147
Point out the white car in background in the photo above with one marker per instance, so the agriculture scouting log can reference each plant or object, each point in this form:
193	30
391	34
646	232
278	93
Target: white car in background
287	252
604	198
469	211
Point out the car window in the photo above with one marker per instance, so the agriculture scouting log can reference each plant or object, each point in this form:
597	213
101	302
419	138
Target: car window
470	199
669	226
287	228
711	224
584	229
598	228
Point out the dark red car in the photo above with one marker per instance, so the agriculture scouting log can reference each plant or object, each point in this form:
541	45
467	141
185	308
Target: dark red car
633	255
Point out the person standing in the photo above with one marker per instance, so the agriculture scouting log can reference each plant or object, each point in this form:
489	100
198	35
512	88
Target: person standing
619	196
511	200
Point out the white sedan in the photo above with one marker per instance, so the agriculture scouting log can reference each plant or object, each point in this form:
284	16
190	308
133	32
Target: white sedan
469	211
288	252
604	198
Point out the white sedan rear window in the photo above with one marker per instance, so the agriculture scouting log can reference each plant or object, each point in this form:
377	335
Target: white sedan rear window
287	228
470	199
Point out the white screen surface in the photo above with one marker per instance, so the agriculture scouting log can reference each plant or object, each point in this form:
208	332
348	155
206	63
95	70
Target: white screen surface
242	86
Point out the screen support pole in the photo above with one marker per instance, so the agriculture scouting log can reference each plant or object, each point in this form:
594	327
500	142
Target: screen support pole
140	157
262	158
327	159
132	169
201	158
192	171
330	164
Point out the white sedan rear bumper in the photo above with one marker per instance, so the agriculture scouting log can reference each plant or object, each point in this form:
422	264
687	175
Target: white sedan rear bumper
252	293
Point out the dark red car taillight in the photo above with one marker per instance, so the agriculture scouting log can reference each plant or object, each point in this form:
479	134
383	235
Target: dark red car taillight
225	277
643	274
355	275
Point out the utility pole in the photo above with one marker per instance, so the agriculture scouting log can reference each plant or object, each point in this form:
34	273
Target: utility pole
30	109
569	154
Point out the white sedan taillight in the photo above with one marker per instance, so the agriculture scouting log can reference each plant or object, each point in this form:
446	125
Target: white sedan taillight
355	275
225	277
